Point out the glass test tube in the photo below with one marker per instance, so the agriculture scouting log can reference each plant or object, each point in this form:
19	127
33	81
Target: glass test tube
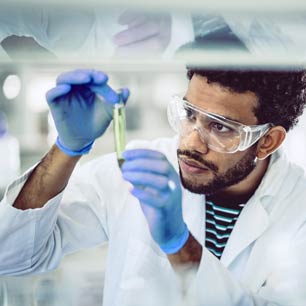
119	130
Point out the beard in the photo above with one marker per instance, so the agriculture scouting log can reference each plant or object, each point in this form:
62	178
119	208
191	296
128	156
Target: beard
231	177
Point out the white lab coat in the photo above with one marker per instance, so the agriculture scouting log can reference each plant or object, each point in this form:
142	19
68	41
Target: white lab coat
263	262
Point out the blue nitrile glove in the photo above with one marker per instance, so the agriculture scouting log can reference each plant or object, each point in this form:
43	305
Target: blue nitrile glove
157	186
81	105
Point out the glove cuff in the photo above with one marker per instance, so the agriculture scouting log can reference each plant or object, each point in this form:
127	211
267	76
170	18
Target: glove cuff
176	243
69	152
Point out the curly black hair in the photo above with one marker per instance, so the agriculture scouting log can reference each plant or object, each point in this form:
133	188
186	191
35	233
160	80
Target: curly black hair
281	94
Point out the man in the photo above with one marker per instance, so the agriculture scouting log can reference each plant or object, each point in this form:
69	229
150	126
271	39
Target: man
239	220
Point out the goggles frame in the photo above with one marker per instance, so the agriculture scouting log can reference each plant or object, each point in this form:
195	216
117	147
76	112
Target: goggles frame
249	134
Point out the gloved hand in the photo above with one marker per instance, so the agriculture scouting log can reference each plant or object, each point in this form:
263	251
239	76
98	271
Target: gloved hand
157	186
144	34
81	105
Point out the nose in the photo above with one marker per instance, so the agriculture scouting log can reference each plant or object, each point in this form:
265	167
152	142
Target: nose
194	142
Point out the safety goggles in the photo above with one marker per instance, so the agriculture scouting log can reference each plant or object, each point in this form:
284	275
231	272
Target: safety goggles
217	132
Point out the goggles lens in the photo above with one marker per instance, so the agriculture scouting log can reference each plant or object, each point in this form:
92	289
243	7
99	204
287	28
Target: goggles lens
218	133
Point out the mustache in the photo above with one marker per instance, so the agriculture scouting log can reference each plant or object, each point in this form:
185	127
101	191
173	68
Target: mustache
196	156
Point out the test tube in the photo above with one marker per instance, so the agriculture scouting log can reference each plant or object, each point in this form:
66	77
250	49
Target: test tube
119	130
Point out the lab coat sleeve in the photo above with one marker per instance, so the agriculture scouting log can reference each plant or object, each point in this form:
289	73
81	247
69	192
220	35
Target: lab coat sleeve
270	35
181	33
4	56
35	240
215	285
25	21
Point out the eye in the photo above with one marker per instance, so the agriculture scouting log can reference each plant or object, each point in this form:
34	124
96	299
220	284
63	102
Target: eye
220	128
189	113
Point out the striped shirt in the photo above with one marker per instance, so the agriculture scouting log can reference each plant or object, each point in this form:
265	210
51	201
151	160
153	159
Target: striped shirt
220	221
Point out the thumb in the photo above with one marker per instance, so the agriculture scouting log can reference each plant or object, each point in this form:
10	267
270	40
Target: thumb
125	93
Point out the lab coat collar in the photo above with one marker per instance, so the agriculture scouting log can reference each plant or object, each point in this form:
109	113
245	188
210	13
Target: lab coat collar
274	175
252	222
194	214
254	218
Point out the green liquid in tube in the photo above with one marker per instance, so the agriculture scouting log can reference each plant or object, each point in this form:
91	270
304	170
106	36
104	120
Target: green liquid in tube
119	130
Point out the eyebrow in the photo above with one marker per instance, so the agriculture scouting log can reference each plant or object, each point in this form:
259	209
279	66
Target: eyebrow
226	117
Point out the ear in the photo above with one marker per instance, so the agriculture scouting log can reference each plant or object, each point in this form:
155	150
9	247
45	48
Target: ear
270	142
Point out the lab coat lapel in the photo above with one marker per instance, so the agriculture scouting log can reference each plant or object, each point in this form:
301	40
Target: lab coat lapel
194	214
251	223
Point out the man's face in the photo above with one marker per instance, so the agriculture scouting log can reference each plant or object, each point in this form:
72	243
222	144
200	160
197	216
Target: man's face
203	170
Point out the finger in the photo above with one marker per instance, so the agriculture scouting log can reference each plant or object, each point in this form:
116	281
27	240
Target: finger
153	46
161	167
57	92
83	76
148	197
125	93
76	77
129	16
106	92
138	33
99	77
142	153
138	21
146	179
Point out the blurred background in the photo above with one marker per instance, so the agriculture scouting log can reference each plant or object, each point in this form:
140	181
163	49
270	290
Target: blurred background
144	46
